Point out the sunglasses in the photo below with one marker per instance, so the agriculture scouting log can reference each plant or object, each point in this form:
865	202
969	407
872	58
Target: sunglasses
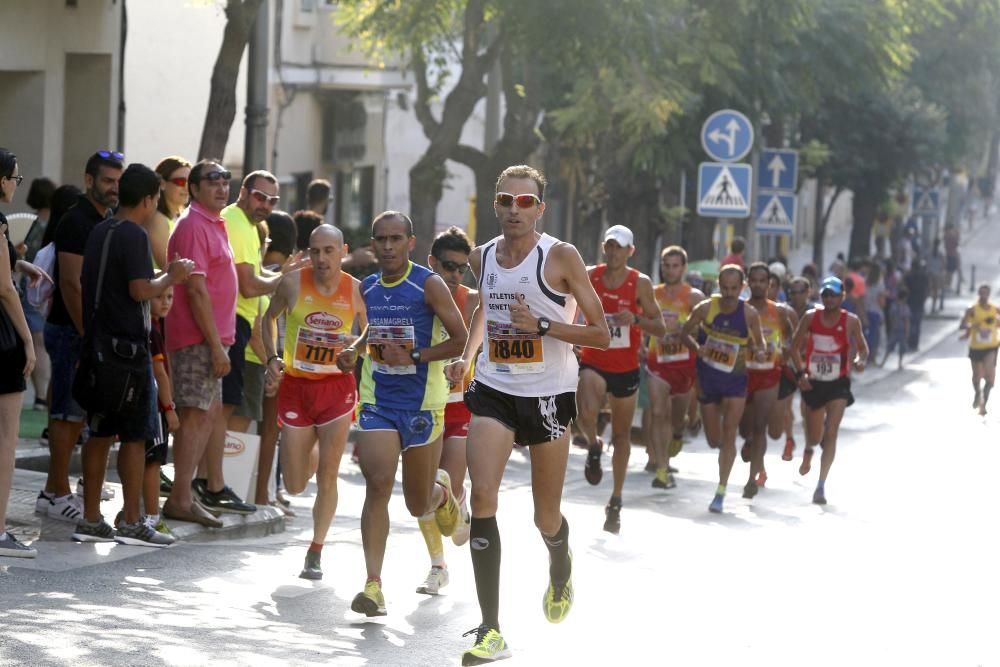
265	198
214	176
828	294
507	200
111	155
451	267
16	179
180	181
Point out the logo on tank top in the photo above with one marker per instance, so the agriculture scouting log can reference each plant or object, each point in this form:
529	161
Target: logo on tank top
491	280
308	298
525	279
322	320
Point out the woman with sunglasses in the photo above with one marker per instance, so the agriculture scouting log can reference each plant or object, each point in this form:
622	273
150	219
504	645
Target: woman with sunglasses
174	197
17	359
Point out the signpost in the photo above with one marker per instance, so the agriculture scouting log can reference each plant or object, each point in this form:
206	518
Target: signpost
777	178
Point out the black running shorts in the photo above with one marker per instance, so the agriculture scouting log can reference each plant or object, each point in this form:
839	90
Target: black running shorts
824	392
534	419
620	385
983	355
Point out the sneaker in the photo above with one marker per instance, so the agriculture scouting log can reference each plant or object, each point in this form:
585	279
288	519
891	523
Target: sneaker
819	497
225	501
676	445
464	527
447	516
489	647
436	579
807	457
10	547
663	479
745	451
199	487
98	531
66	508
43	439
166	485
159	525
716	505
613	518
311	568
370	601
786	455
749	491
42	502
592	470
107	493
761	478
557	601
140	534
650	466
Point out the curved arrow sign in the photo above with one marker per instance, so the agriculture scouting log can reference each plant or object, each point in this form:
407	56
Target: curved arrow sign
727	135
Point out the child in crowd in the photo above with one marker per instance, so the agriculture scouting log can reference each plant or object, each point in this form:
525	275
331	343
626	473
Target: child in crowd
899	325
167	421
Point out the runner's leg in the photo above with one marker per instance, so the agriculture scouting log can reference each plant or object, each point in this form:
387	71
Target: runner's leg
378	457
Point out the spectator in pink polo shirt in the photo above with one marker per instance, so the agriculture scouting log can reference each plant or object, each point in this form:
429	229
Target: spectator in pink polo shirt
200	329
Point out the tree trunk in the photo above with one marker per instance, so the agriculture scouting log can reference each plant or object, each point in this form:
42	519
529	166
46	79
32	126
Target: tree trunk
240	16
700	239
863	210
819	228
426	187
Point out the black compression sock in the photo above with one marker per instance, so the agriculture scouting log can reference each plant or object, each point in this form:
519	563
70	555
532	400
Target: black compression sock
558	546
484	543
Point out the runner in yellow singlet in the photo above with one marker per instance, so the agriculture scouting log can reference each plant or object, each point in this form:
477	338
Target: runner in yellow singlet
979	326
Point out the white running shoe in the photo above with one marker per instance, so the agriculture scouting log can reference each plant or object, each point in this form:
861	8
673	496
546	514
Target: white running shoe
461	534
66	508
107	493
436	579
42	502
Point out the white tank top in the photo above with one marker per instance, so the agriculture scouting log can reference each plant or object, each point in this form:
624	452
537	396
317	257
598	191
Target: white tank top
522	363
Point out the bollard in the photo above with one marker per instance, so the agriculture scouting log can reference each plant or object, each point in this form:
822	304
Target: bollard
972	280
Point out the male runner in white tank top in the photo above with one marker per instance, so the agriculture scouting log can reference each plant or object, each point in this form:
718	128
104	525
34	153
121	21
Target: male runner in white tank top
524	388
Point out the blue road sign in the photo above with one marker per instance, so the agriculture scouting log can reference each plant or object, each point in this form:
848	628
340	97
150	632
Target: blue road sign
724	190
775	213
727	135
778	170
926	201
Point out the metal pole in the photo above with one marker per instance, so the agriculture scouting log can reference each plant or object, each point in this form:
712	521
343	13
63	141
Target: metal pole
255	142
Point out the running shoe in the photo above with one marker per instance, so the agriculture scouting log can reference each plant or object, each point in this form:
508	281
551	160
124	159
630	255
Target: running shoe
663	480
716	505
159	525
370	601
819	497
107	493
807	457
66	508
311	568
12	548
761	478
225	501
975	401
749	491
558	600
592	470
489	647
436	579
676	445
43	439
97	531
166	485
580	441
461	534
786	455
141	534
745	451
613	518
448	515
42	502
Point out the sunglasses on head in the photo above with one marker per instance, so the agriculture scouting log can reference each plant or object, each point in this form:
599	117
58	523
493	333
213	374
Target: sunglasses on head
451	267
507	200
111	154
265	198
214	176
180	181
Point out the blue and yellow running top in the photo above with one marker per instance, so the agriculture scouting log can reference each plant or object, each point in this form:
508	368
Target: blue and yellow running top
398	315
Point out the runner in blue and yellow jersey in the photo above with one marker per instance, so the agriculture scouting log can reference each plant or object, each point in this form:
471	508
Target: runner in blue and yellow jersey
403	393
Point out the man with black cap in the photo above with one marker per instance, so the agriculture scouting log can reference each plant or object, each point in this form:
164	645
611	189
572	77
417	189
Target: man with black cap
826	334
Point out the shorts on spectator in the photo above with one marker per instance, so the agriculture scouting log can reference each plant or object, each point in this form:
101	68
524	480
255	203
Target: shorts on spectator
156	446
194	384
138	424
533	419
824	392
63	345
620	385
304	403
232	384
252	404
679	378
416	428
456	420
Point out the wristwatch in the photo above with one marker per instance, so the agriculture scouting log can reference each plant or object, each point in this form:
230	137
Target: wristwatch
543	325
415	355
635	318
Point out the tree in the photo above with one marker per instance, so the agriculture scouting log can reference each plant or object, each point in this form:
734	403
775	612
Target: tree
240	17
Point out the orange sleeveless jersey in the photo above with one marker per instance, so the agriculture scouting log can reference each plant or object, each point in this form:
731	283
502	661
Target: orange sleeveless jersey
317	326
622	354
669	350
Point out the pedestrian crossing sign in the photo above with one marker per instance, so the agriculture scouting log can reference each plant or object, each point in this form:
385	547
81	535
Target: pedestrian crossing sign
724	189
926	201
775	213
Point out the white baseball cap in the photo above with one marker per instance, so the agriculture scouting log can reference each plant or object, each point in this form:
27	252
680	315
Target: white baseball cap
778	269
621	234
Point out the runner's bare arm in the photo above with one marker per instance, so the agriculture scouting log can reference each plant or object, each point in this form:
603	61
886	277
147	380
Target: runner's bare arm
651	321
456	371
855	331
789	320
571	273
799	341
696	318
965	325
438	297
755	331
284	298
360	312
695	297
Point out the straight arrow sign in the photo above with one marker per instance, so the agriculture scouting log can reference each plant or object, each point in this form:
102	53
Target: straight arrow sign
778	170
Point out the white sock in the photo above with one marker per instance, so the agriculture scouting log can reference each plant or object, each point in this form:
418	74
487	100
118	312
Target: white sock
3	535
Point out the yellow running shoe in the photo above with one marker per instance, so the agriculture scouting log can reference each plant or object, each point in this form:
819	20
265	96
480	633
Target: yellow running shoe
489	646
557	603
676	445
370	601
448	515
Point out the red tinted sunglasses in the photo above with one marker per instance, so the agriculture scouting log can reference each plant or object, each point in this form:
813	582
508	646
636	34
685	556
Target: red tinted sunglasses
507	200
180	181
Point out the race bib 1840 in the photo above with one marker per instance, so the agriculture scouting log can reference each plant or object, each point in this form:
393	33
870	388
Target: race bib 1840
510	350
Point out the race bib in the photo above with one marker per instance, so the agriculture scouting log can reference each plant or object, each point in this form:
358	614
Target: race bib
984	335
510	350
379	337
770	358
620	334
720	354
824	366
670	349
316	351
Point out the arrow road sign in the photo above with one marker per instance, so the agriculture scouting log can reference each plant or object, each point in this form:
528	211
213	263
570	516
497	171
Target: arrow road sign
727	135
775	213
926	201
778	170
724	190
